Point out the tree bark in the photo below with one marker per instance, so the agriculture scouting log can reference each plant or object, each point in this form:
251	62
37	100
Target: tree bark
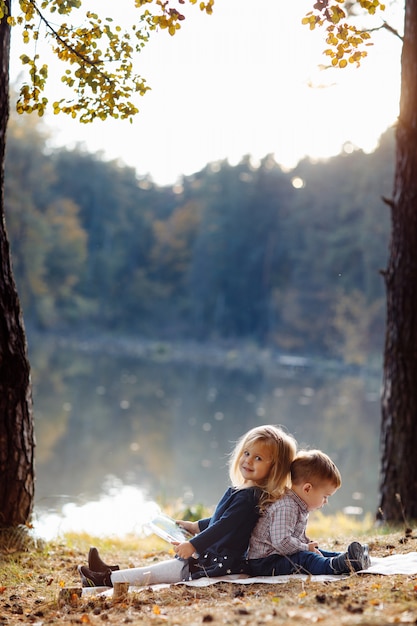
16	419
398	488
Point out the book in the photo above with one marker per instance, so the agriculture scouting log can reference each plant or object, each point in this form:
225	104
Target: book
167	528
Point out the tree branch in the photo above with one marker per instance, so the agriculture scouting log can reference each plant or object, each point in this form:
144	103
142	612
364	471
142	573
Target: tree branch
387	27
69	47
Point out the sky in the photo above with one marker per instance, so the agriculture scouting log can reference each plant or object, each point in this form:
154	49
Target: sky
243	81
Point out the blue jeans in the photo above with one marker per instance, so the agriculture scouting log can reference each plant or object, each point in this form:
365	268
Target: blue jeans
305	562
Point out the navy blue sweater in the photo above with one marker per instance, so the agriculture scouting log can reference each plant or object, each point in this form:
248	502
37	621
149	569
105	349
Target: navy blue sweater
223	540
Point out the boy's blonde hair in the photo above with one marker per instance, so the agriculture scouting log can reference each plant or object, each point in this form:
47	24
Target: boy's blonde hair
282	448
314	466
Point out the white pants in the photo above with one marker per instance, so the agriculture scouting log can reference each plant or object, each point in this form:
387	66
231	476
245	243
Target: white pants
172	571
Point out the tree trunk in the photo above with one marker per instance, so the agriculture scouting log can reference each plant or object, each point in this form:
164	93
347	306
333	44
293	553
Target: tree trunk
398	489
16	420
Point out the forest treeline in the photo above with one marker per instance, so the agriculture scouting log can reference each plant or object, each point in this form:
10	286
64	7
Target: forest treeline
231	253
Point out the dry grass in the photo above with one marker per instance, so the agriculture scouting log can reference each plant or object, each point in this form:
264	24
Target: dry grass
31	580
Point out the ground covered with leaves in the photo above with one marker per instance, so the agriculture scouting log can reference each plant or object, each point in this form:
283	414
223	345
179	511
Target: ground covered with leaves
32	579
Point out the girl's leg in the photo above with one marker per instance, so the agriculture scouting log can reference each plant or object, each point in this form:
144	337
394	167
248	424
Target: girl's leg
172	571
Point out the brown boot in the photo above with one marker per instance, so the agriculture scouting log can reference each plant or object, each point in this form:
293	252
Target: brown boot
94	579
95	564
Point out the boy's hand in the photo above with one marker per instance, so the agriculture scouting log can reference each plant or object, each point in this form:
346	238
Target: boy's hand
184	550
313	547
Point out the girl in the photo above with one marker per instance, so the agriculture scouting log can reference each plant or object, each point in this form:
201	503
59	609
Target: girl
259	472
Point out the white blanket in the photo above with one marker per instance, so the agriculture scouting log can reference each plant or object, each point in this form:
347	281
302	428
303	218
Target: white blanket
394	564
388	565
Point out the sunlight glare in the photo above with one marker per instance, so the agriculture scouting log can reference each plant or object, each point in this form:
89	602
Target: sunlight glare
297	182
121	511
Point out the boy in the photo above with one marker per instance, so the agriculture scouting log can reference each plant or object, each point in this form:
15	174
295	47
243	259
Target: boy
279	544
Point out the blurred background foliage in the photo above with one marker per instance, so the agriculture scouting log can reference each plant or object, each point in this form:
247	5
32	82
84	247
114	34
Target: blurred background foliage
233	252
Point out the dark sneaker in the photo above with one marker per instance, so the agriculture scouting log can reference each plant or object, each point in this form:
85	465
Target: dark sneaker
94	579
355	559
357	556
95	564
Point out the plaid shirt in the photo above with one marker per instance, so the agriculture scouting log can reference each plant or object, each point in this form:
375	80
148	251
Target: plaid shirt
281	529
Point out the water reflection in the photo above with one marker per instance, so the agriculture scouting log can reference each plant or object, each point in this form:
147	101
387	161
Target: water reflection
121	510
167	428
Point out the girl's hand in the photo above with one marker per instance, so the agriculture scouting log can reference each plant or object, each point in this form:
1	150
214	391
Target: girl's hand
184	550
191	527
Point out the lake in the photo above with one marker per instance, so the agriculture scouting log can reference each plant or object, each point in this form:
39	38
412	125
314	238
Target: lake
150	423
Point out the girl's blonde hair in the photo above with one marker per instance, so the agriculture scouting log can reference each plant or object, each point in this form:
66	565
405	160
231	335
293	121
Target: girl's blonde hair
282	448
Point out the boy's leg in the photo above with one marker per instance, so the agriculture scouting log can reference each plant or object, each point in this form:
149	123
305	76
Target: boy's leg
172	571
326	553
273	565
312	563
300	563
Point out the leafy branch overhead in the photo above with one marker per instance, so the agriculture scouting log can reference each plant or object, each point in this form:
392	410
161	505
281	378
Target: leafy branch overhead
99	55
97	52
346	41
